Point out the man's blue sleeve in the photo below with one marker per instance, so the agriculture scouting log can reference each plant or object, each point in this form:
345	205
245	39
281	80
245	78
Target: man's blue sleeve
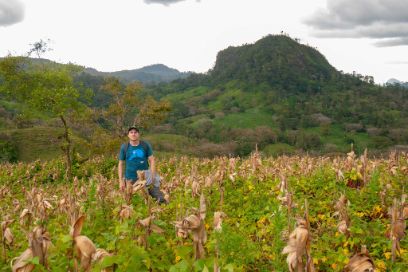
149	150
122	155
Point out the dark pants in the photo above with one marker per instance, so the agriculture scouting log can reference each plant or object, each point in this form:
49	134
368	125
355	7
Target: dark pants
156	194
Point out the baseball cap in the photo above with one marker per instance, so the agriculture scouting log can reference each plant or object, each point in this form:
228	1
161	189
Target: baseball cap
133	127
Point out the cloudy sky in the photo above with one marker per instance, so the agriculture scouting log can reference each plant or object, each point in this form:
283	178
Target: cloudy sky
367	36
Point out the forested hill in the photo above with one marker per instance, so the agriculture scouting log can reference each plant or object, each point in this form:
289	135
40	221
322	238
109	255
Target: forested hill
276	60
285	96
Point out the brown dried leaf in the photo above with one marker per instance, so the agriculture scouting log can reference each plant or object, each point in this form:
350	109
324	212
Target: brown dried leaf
203	207
156	229
191	222
146	222
8	236
138	185
20	264
125	212
296	246
84	248
218	216
360	262
77	226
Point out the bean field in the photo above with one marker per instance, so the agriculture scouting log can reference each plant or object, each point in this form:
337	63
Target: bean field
296	213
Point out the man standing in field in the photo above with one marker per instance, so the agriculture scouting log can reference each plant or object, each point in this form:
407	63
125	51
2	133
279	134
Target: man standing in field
137	155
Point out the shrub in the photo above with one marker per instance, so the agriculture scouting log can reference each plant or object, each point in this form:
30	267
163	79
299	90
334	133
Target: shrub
8	151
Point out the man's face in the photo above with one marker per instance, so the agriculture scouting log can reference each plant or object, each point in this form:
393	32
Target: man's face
133	135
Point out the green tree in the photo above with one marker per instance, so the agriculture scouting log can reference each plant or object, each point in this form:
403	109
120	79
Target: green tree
125	99
49	90
129	109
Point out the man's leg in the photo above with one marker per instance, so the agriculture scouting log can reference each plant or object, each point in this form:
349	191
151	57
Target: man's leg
154	187
157	194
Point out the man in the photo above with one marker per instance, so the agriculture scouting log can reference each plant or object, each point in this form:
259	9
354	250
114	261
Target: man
138	155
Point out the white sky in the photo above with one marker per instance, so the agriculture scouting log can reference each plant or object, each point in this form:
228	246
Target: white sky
127	34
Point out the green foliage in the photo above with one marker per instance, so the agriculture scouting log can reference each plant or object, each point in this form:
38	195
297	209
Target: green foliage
8	149
252	236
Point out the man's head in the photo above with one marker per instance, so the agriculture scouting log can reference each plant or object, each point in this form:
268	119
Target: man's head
133	133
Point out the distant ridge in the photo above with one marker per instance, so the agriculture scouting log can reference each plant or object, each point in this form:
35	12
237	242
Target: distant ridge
151	74
155	73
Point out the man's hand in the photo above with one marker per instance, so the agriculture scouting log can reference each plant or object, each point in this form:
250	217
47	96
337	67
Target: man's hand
122	185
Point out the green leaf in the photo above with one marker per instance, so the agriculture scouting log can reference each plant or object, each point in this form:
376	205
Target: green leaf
180	267
229	267
34	260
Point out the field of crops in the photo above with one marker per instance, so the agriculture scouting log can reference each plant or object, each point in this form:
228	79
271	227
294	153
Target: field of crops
224	214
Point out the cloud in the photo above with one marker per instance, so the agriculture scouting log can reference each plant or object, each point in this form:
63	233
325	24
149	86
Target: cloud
383	20
164	2
11	12
397	62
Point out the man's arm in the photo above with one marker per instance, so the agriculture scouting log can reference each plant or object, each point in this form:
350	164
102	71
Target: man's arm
152	165
120	174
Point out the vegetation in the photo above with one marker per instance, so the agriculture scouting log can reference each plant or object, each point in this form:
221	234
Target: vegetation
347	207
291	88
273	93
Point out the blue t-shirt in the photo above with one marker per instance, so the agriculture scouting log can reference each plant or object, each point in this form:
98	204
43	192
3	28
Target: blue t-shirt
136	158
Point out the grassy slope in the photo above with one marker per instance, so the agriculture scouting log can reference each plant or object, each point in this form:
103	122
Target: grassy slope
40	142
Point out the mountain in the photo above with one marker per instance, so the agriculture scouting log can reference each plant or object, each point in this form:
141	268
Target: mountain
393	82
149	74
279	91
276	60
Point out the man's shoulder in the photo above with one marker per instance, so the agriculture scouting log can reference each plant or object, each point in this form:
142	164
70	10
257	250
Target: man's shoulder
123	145
145	143
146	146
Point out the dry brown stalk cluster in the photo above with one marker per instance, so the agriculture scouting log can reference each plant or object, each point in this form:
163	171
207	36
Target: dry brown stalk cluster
39	243
341	211
195	225
40	204
84	249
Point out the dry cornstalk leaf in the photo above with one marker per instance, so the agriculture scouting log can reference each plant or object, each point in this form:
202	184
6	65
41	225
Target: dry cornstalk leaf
125	212
83	246
343	228
191	222
99	256
138	185
39	241
16	205
8	237
398	226
203	207
156	229
181	232
148	224
47	204
296	246
195	188
20	264
360	262
218	216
